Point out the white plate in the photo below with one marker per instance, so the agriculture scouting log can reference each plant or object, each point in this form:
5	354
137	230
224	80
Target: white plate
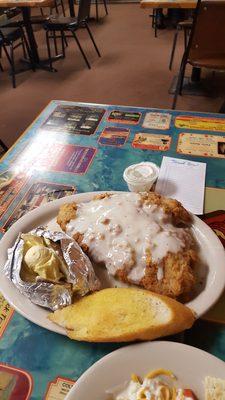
190	365
212	267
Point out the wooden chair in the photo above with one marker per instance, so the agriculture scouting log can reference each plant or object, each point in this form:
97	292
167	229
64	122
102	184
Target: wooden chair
206	46
67	27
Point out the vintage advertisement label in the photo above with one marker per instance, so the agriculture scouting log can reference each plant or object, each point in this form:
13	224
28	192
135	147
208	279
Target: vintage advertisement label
58	389
112	136
73	120
201	145
200	123
157	120
56	157
39	193
6	313
151	141
15	383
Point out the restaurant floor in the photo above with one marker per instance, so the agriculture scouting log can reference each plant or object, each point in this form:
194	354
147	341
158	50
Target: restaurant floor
133	70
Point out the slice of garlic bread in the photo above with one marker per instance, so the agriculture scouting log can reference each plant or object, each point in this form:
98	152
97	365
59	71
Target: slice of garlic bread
123	314
214	388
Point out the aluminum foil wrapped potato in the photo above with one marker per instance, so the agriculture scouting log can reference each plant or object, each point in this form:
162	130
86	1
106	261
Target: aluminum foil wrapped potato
50	268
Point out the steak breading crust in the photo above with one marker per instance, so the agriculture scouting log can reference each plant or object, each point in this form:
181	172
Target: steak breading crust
170	275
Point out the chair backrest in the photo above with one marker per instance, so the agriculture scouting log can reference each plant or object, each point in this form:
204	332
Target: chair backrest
207	37
12	12
84	10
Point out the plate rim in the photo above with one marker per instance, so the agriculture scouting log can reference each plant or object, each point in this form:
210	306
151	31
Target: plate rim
157	343
49	208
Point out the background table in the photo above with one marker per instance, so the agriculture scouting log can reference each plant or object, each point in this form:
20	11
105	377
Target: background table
26	6
168	3
42	364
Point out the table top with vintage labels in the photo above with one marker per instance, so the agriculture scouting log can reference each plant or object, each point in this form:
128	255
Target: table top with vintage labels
78	147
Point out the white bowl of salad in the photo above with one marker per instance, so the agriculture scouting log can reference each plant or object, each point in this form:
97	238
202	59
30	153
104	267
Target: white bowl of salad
159	370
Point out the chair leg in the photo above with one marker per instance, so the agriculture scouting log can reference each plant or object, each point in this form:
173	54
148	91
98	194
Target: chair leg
158	20
65	40
1	67
42	12
26	49
49	50
55	43
56	7
81	50
63	43
185	39
222	108
153	18
12	66
92	39
179	81
3	145
176	92
182	80
173	50
23	46
155	24
106	8
63	8
7	54
96	6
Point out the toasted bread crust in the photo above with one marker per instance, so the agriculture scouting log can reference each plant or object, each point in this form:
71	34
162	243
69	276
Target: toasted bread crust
137	315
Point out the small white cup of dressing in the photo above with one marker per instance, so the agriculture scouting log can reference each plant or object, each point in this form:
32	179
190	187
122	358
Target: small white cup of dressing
140	177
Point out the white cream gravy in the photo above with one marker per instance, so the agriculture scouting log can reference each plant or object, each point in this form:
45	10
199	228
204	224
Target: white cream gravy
120	230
